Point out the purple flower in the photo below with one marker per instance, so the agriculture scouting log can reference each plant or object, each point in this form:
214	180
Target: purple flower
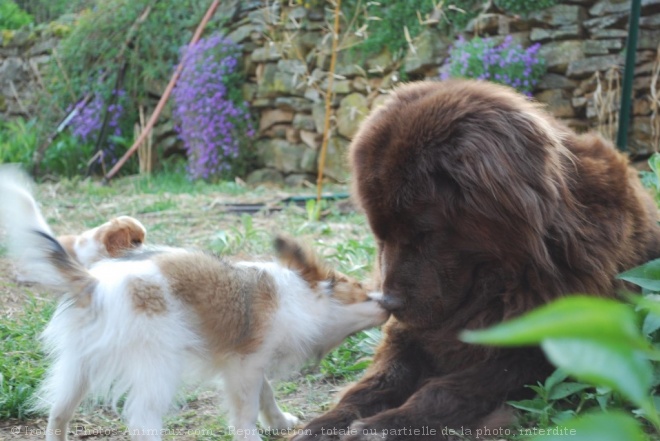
211	119
88	121
507	63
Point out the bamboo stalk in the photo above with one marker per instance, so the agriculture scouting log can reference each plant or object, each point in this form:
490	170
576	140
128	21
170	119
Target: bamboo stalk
328	102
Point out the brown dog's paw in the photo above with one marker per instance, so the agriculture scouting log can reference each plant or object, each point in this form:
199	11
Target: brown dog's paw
333	426
361	431
391	425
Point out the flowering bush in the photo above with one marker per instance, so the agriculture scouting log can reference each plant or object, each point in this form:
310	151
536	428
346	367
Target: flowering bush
88	121
507	63
211	117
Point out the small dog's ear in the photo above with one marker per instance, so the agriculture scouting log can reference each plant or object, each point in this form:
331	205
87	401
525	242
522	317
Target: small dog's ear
117	241
294	256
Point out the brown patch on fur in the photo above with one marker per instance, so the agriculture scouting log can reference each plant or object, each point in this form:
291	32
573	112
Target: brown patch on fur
119	235
147	297
484	207
234	304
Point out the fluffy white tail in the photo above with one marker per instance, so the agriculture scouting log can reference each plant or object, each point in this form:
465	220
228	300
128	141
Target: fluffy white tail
39	255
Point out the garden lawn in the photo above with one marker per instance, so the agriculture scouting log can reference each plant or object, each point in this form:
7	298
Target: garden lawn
179	213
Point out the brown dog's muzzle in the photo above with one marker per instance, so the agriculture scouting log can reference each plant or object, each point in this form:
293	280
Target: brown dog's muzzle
391	303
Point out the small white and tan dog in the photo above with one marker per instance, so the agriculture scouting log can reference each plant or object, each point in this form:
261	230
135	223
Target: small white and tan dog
133	326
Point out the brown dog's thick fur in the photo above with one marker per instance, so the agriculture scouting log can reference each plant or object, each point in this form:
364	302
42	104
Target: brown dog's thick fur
483	207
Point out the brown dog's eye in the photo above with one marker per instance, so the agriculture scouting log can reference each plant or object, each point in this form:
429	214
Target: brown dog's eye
136	242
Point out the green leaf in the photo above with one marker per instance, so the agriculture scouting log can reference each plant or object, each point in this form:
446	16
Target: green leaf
651	323
611	426
534	406
555	378
587	317
562	417
647	275
359	366
562	390
609	364
650	302
654	163
603	401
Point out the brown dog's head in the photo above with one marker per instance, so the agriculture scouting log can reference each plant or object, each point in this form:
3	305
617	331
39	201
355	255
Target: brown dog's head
459	181
112	239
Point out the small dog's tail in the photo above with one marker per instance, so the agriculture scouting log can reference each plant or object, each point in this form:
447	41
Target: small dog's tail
39	255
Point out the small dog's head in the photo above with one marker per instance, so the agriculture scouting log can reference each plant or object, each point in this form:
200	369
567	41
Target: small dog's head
112	239
354	306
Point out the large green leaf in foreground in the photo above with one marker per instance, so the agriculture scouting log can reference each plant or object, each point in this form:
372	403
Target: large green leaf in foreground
611	426
569	317
593	339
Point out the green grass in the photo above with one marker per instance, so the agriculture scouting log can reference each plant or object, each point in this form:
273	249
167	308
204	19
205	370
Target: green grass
175	181
21	361
182	213
349	360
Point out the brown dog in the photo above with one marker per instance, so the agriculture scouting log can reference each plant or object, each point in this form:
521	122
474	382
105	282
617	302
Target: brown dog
483	207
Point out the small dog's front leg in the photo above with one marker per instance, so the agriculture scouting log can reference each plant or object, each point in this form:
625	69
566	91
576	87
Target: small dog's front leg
243	389
271	416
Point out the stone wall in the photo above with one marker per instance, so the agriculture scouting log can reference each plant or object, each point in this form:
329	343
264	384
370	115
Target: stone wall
23	54
287	56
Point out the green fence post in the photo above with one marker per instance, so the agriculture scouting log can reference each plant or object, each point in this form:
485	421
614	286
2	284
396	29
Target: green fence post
628	75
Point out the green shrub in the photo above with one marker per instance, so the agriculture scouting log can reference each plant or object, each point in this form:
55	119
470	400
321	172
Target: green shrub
45	11
12	16
524	7
574	332
67	156
386	20
18	140
90	57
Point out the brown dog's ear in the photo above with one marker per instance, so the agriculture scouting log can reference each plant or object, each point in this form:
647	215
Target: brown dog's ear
296	257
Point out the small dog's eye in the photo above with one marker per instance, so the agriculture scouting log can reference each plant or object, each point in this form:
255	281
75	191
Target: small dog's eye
136	242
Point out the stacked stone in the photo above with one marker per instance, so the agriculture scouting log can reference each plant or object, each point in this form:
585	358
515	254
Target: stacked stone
22	54
288	82
583	43
287	57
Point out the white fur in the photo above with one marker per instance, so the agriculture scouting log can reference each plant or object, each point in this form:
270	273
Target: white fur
106	348
21	217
